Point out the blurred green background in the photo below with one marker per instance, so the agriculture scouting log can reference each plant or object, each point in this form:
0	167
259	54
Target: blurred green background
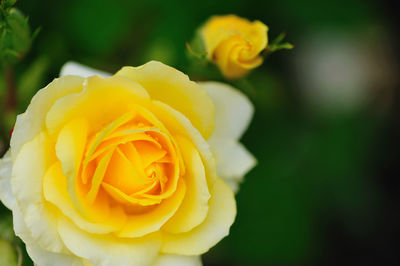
325	131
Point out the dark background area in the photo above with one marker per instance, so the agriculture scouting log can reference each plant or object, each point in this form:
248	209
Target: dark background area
326	128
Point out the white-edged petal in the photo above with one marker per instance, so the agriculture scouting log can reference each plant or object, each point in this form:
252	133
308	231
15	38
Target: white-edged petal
108	250
32	122
233	110
39	256
233	113
42	257
28	171
6	195
177	260
73	68
233	160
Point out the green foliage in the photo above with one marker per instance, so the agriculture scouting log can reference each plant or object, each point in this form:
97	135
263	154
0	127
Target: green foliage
7	254
32	79
15	34
8	242
277	44
311	170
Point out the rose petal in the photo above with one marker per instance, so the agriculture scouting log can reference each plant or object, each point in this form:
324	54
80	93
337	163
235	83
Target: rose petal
42	257
100	102
55	191
233	110
32	122
6	195
233	114
27	177
108	250
73	68
178	124
215	227
194	207
174	88
177	260
39	255
139	225
232	158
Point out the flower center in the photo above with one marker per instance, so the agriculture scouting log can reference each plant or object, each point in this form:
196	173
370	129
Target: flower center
133	160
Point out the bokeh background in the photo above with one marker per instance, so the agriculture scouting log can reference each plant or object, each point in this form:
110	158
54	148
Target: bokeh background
326	128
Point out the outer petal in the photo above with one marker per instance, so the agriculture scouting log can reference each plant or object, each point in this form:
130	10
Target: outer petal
233	113
27	178
30	123
6	195
215	227
100	102
177	260
40	256
104	250
174	88
73	68
233	110
233	160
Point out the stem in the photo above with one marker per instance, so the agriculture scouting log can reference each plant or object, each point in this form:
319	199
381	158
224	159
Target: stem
11	89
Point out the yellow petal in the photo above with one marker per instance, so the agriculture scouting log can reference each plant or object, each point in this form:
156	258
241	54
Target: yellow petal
100	102
71	143
124	198
149	152
219	28
228	58
215	227
178	124
234	43
108	250
142	224
106	219
194	207
32	122
98	176
122	175
174	88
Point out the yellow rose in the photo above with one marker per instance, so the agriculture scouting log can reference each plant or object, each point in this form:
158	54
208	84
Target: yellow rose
125	170
234	44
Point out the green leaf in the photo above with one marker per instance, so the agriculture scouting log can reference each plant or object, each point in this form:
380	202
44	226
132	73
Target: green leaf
276	45
5	4
15	34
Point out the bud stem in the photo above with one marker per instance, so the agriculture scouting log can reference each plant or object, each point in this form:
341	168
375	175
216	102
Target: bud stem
11	89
